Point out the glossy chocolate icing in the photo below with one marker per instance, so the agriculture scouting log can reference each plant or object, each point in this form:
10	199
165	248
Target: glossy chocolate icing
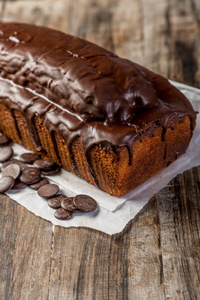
81	89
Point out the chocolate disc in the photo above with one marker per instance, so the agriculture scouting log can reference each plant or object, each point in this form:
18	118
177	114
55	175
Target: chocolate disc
85	203
44	164
14	161
40	183
68	204
12	170
18	185
55	202
75	208
30	175
4	139
6	183
5	153
5	164
29	158
62	214
48	190
54	171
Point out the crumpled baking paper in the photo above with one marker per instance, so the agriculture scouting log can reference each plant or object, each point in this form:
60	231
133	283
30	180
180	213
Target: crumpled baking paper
113	213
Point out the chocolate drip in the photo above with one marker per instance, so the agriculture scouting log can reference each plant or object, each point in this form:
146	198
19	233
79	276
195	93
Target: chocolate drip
81	89
70	126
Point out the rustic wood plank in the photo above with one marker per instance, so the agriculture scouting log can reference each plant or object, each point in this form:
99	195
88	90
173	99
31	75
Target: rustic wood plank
86	265
144	264
25	253
98	266
179	218
171	39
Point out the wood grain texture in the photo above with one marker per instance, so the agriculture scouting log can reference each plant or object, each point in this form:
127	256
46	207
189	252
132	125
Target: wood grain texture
157	255
25	252
179	219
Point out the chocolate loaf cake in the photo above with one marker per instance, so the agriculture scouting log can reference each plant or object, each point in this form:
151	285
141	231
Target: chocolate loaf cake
106	119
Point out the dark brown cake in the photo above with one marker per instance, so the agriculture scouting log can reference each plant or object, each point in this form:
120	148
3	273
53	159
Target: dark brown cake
103	118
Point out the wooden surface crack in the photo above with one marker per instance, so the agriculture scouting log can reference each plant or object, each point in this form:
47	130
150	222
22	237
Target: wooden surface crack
82	272
160	249
51	259
109	266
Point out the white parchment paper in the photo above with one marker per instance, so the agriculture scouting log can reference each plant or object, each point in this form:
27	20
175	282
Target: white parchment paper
113	213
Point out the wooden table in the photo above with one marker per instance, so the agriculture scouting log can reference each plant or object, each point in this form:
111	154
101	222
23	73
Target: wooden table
157	255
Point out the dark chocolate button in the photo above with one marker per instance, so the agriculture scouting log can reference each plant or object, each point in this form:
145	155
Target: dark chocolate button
54	171
14	161
5	153
30	175
18	185
75	208
12	170
40	183
4	139
5	164
68	204
55	202
6	183
62	214
29	158
48	190
85	203
44	164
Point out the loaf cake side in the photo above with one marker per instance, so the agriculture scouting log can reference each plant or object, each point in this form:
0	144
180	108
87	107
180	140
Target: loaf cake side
103	118
105	165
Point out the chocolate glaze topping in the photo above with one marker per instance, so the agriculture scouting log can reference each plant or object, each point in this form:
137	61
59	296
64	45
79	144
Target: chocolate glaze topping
81	89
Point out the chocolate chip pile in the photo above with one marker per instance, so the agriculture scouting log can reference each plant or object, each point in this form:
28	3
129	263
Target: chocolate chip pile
28	170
